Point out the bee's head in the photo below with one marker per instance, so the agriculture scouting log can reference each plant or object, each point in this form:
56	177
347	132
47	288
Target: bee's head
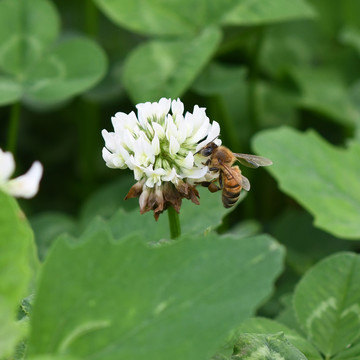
208	149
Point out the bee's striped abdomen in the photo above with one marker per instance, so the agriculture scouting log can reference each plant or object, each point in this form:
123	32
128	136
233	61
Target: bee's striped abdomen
231	192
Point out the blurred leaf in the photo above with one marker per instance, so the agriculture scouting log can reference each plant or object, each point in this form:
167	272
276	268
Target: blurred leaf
110	89
230	85
323	91
219	78
275	106
351	353
52	357
307	244
17	267
229	102
291	45
317	182
194	219
107	200
70	68
267	326
259	347
351	36
48	226
245	228
126	300
335	14
257	12
287	316
159	17
167	68
10	90
327	303
27	28
37	70
355	97
199	219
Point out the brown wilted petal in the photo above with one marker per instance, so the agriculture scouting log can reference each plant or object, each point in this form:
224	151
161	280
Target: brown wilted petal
161	197
135	190
188	192
172	197
143	201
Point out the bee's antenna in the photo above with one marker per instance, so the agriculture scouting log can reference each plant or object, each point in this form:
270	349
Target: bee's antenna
207	144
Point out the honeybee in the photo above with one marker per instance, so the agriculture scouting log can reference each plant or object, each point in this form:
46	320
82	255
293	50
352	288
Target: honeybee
231	181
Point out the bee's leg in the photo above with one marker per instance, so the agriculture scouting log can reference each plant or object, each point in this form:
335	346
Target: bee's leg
213	187
207	162
210	185
220	182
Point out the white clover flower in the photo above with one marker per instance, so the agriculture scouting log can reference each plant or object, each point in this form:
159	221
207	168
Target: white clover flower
161	148
26	185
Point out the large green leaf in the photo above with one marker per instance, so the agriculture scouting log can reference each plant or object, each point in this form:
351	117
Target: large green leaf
269	347
327	303
35	69
255	12
126	300
168	67
164	17
267	326
321	177
17	265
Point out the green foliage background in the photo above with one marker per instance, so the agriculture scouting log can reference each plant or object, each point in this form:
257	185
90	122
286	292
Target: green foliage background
283	80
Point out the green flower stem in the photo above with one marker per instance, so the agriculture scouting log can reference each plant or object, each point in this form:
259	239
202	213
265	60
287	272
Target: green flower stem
174	223
91	19
13	128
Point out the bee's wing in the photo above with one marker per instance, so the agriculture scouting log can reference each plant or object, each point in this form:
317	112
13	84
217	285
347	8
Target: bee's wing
245	183
252	161
230	173
238	176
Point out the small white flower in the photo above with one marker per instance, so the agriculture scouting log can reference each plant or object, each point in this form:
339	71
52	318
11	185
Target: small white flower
160	145
26	185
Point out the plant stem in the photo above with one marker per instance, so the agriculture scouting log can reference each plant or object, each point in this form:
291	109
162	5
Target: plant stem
91	19
174	223
13	128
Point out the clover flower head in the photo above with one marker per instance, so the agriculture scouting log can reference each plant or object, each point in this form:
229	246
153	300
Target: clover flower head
26	185
160	146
